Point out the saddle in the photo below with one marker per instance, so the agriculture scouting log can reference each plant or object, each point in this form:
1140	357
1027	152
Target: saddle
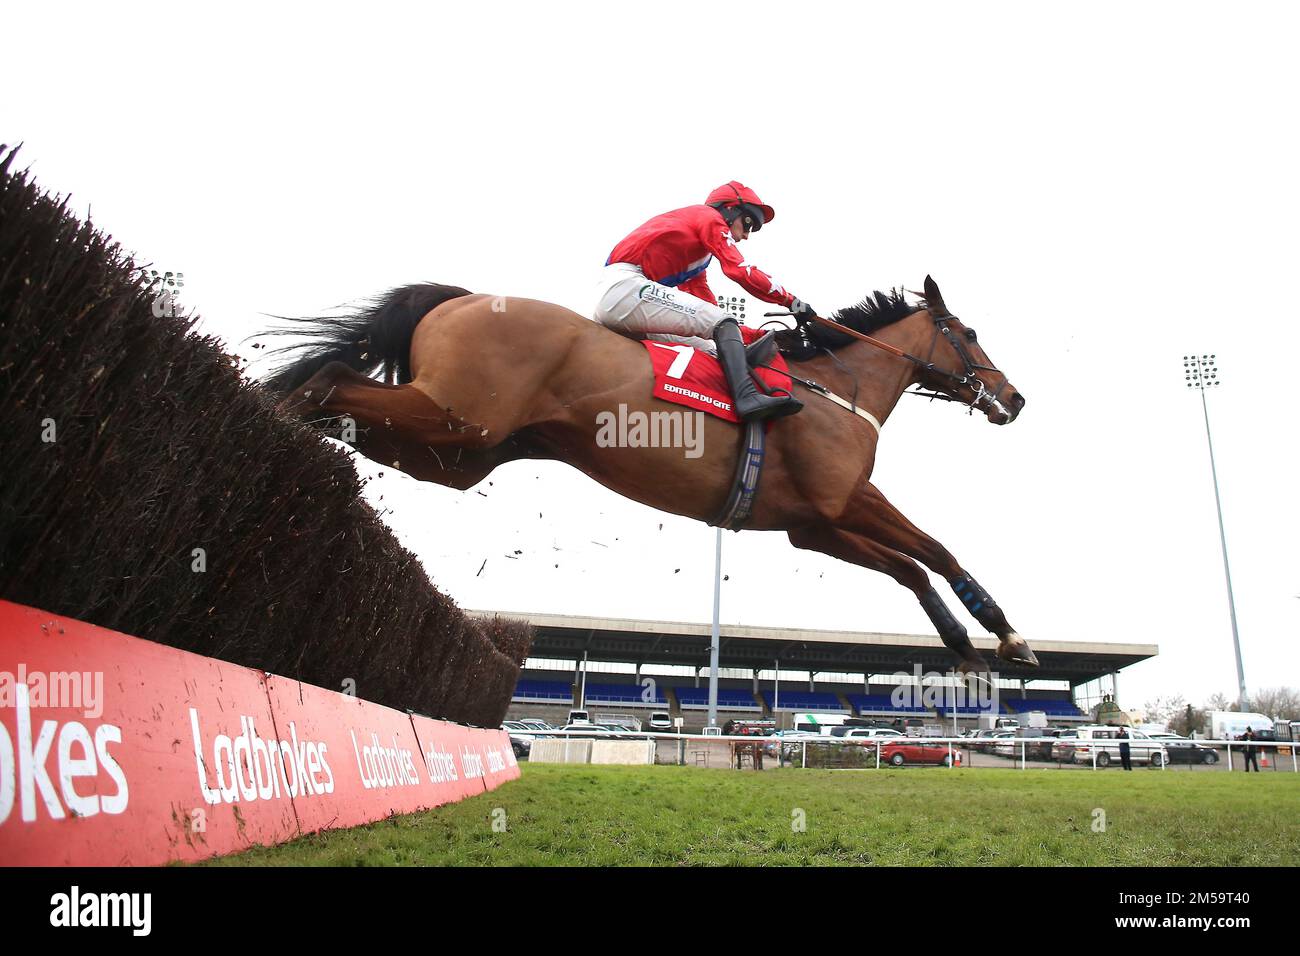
699	384
761	351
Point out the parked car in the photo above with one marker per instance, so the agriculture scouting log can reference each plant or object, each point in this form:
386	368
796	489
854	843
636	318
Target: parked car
1003	744
862	736
1040	747
1268	738
898	753
987	741
1182	750
1035	743
661	722
536	724
628	728
791	742
1102	741
1063	749
748	727
865	732
521	737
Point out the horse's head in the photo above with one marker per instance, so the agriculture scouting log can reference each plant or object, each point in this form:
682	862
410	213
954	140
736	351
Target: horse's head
960	368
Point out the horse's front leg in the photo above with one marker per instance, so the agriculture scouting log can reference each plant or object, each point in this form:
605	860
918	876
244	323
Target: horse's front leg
869	554
871	515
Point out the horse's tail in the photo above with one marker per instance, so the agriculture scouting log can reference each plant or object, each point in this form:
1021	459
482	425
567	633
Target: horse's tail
375	336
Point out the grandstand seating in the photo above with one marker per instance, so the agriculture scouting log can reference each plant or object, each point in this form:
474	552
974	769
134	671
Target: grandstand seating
553	691
730	698
543	691
880	704
967	710
632	694
1053	708
813	701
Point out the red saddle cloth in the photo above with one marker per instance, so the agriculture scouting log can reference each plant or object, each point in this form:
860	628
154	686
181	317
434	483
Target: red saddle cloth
689	377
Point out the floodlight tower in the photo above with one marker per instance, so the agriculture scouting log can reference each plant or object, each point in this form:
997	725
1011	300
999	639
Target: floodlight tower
1202	373
733	305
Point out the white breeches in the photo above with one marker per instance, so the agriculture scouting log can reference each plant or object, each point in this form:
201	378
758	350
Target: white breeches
629	303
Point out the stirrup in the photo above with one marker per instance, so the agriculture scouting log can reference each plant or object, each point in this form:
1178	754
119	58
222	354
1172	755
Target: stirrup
758	406
750	403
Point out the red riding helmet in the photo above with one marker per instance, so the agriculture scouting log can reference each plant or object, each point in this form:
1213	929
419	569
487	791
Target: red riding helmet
737	197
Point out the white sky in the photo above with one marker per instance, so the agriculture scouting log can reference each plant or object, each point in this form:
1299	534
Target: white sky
1097	189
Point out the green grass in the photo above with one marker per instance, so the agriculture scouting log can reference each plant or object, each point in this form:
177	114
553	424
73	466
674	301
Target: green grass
617	816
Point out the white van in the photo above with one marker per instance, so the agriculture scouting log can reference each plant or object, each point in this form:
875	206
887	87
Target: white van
819	723
1231	724
992	722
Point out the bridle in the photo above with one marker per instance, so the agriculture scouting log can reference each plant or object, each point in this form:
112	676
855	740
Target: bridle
982	399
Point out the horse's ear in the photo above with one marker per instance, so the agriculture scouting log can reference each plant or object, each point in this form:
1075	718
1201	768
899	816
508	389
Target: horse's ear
933	298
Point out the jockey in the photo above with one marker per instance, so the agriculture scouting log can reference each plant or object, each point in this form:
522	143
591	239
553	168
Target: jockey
654	286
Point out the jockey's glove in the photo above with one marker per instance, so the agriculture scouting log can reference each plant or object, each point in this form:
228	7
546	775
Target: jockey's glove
803	312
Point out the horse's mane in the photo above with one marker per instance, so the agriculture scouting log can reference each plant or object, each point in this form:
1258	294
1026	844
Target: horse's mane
872	313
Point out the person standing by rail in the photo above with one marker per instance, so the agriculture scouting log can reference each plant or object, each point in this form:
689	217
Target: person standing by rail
1125	755
1248	736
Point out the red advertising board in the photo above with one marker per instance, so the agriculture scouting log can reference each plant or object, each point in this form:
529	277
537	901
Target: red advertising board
116	751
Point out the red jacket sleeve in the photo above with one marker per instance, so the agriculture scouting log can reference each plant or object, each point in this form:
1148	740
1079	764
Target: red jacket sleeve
699	287
717	238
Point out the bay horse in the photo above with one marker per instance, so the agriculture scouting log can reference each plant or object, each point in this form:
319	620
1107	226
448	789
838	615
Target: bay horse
472	381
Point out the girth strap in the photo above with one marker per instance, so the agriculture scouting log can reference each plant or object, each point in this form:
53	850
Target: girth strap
744	487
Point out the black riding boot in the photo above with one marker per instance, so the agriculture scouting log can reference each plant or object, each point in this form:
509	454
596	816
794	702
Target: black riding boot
751	404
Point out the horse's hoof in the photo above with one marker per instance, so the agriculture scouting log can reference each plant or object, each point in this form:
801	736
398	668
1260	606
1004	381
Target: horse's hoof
1015	650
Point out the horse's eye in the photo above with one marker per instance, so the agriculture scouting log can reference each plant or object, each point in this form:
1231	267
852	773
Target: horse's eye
970	335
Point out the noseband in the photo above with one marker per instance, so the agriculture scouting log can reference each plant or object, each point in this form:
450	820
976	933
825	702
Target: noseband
982	399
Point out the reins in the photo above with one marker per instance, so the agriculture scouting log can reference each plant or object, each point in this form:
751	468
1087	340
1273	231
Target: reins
982	398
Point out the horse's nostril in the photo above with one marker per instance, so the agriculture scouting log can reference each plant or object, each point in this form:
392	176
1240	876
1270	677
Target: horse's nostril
1018	400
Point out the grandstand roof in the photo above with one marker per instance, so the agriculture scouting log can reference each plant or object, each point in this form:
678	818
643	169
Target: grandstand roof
679	642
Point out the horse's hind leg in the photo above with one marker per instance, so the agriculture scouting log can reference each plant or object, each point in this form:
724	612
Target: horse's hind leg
868	554
869	514
397	425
